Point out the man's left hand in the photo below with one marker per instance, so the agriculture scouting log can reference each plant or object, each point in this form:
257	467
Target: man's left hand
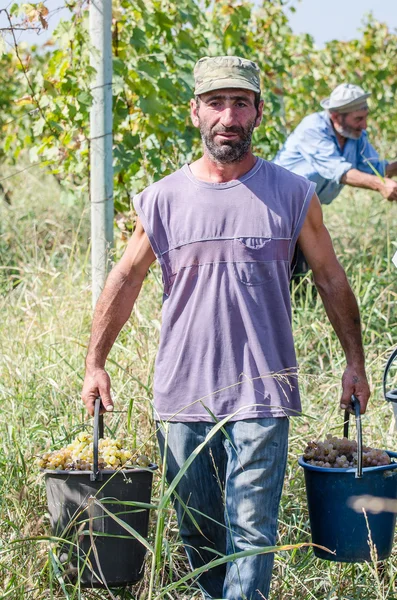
388	189
354	381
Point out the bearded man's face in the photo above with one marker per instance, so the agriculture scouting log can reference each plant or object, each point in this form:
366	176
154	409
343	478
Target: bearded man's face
227	119
351	125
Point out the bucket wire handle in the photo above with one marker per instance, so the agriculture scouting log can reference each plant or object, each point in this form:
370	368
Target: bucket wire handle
96	474
390	396
356	405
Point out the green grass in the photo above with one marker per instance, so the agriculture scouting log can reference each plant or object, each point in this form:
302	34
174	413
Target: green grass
45	299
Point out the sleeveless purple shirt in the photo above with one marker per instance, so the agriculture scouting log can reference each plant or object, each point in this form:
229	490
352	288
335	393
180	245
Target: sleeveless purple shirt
225	251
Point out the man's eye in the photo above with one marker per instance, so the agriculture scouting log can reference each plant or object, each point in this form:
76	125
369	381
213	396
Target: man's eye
241	104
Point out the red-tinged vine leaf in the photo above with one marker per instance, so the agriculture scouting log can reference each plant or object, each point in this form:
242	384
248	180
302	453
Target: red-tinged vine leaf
35	13
43	22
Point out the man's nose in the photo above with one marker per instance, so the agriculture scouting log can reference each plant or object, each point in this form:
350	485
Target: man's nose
228	117
363	123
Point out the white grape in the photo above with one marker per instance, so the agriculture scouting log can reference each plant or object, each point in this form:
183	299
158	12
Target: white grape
342	454
79	455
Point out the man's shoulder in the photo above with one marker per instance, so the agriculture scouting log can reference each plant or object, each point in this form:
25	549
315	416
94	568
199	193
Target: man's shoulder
163	186
284	176
317	120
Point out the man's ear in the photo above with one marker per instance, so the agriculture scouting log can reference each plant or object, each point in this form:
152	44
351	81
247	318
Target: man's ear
194	108
335	117
259	114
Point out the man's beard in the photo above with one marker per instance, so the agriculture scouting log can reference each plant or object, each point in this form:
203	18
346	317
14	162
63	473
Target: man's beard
228	151
347	132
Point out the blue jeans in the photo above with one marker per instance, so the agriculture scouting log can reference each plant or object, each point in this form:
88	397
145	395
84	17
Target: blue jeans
232	490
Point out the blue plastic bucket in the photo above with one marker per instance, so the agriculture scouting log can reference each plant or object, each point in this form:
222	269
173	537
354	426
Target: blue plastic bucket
335	525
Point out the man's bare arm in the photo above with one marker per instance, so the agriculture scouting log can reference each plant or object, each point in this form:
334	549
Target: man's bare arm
387	187
112	311
339	302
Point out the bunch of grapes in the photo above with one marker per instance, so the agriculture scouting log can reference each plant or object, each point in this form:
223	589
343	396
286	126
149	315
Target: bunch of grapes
79	455
342	453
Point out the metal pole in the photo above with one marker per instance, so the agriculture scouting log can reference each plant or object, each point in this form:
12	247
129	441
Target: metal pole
101	169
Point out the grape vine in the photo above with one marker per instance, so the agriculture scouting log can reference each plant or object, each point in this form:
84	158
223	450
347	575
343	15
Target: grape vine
45	93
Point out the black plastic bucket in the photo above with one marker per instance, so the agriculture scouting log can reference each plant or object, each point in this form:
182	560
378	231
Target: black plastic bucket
335	524
101	552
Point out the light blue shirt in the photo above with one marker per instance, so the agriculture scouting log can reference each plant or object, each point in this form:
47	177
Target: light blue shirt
312	150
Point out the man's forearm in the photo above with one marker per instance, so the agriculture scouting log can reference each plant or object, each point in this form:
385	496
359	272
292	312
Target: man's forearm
112	311
342	310
386	186
339	301
359	179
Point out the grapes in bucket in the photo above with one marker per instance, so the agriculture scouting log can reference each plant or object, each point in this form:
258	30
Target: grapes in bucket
336	471
98	493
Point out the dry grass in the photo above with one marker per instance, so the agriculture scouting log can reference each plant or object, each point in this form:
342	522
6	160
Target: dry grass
46	311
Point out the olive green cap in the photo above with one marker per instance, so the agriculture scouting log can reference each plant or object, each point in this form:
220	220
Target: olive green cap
220	72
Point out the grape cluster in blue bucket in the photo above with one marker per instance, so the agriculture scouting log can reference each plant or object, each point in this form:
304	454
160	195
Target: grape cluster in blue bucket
341	453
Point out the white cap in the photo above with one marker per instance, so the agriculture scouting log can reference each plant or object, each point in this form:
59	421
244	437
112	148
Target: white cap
345	98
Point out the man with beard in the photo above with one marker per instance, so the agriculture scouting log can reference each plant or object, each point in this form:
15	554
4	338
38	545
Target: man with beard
331	148
224	230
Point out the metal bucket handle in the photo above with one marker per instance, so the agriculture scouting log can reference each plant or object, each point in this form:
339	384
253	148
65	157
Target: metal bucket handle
390	396
96	474
356	406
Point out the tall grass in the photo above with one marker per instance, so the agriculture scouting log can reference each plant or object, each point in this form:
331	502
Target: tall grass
46	312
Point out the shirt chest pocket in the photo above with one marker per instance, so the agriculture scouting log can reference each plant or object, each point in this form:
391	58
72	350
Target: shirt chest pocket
255	259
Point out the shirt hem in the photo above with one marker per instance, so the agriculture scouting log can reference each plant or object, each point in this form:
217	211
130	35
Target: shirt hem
206	418
344	168
305	207
153	242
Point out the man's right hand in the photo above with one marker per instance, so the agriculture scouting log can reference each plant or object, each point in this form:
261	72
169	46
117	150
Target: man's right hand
96	383
389	189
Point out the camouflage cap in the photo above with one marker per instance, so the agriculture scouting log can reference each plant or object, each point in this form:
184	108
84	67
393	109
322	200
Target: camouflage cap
220	72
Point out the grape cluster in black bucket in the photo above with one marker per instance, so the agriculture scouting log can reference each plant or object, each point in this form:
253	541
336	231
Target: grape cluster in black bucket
341	453
113	453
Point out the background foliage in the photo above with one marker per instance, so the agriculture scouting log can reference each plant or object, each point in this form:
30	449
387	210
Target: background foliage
45	298
45	93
